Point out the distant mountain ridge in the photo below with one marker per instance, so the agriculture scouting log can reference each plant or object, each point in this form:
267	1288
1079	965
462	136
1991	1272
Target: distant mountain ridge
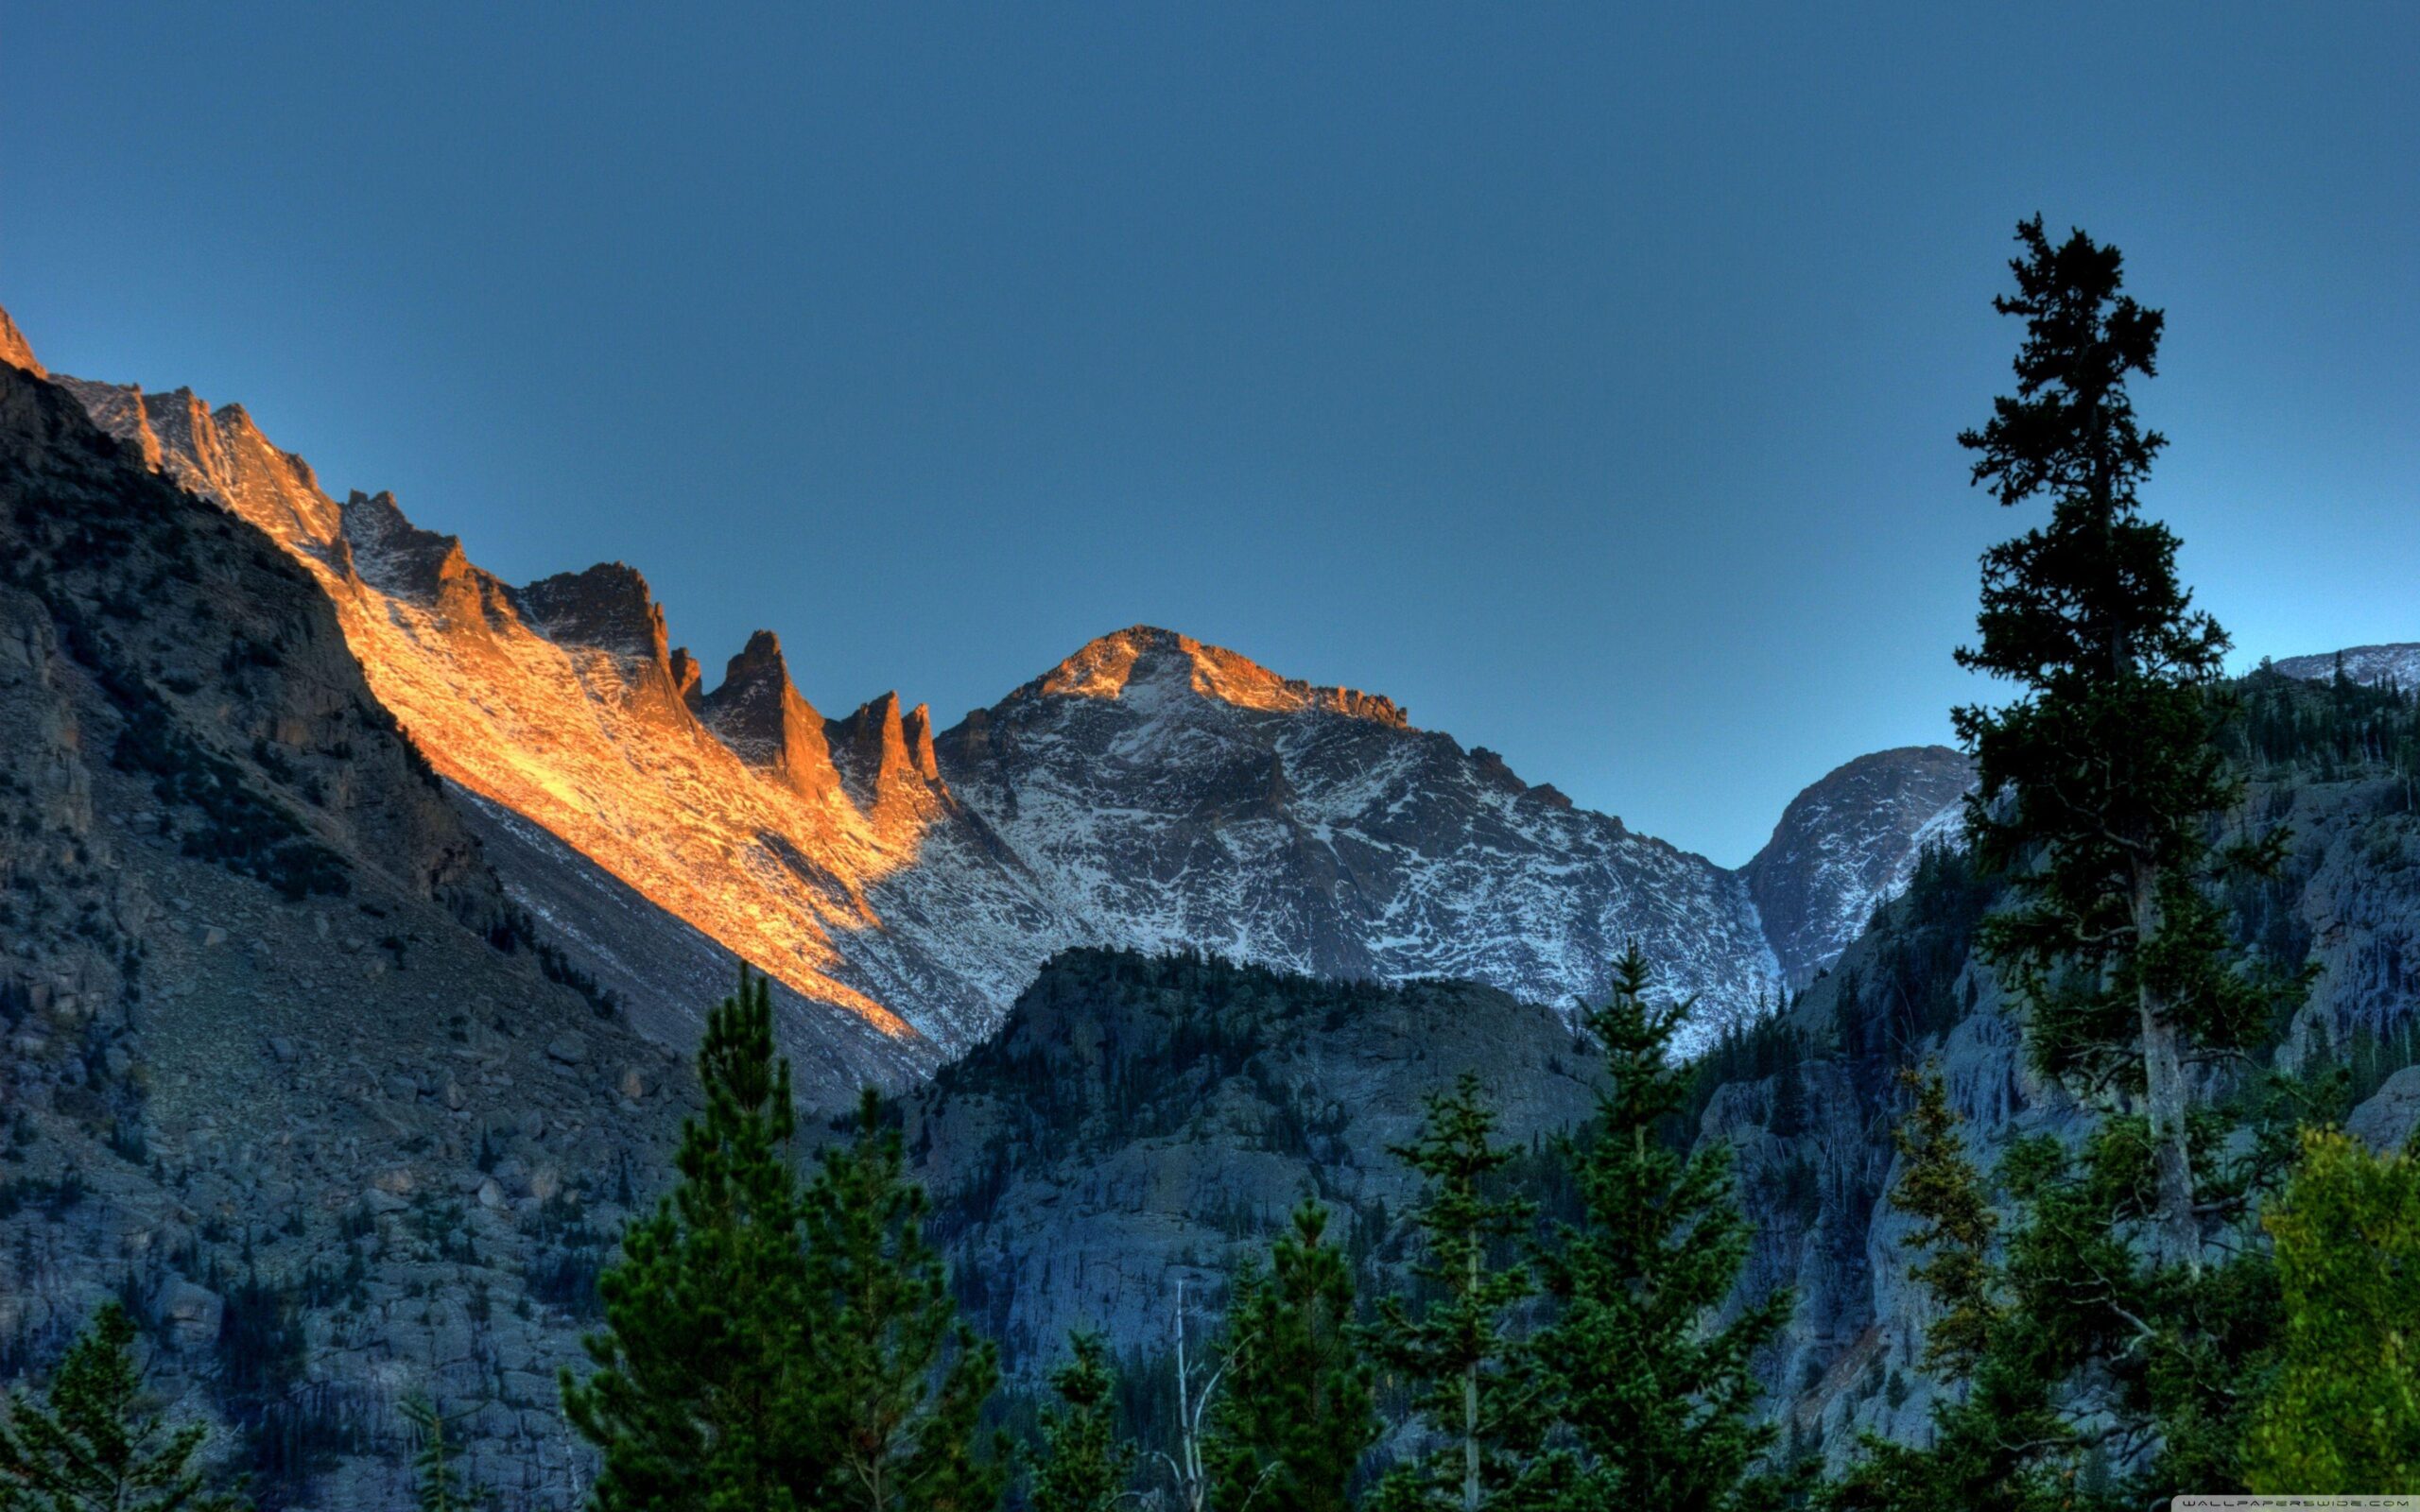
904	883
2398	662
1849	844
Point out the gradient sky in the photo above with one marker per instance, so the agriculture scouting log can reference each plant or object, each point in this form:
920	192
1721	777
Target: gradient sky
1584	378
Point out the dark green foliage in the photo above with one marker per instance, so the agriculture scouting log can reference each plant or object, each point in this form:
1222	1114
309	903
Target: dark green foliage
1085	1464
2099	785
1459	1353
1293	1416
518	930
240	828
292	1429
898	1383
567	1257
2106	1346
2074	1354
2331	731
95	1446
54	1196
1939	1187
693	1403
1655	1401
437	1487
1202	1020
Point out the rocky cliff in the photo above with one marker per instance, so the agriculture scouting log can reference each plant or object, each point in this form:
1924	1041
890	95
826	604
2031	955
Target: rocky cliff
280	1063
1144	1122
1807	1099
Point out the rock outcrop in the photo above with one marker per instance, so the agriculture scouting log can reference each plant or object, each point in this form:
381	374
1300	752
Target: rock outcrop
1141	1123
1849	843
273	1035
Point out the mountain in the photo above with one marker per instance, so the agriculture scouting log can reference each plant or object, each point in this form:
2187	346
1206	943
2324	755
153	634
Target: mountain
1849	843
1807	1100
1174	794
1144	1122
2398	663
903	885
825	854
1139	1122
281	1065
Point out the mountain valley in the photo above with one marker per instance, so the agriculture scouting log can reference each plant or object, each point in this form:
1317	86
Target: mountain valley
360	909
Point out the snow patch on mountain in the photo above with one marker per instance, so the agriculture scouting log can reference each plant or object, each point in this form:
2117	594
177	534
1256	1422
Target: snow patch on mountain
2398	663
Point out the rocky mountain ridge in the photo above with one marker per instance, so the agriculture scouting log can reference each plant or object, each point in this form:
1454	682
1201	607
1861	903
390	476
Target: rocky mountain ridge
904	884
281	1065
2397	662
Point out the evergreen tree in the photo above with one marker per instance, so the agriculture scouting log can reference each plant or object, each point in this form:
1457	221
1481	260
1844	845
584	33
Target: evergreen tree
2104	1349
1295	1415
897	1383
700	1367
1457	1353
1085	1464
2343	1412
1997	1443
2099	785
1657	1400
437	1487
95	1446
1940	1186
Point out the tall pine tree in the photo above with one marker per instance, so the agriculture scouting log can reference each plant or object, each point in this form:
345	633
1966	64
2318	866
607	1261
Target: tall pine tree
1295	1416
700	1367
1085	1464
898	1381
97	1446
1458	1351
2100	784
1657	1399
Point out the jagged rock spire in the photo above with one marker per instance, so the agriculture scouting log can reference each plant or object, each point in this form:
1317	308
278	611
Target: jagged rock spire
760	715
15	351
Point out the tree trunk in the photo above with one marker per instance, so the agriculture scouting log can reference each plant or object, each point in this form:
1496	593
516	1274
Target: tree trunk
1470	1399
2176	1237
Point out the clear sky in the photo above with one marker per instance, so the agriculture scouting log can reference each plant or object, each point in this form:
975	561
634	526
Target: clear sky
1584	377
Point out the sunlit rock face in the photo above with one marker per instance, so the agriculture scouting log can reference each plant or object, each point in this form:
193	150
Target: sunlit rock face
559	703
902	884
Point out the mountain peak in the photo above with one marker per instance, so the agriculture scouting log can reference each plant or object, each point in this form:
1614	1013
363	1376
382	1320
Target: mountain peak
758	713
608	607
15	351
884	756
1850	841
1144	659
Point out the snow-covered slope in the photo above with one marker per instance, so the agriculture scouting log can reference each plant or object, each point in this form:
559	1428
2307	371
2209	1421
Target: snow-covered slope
2398	663
1150	792
1850	842
1176	793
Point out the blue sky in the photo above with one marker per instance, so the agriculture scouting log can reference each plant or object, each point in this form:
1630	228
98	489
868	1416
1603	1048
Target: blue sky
1584	377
